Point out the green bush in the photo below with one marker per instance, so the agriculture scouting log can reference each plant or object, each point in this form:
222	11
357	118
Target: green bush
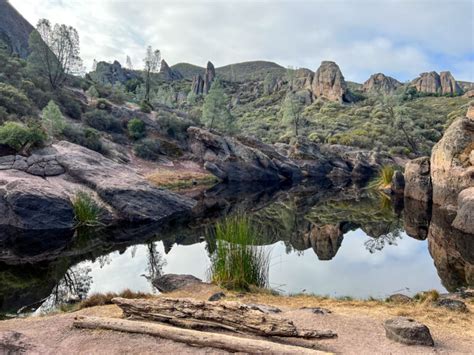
237	263
19	136
136	128
69	104
86	211
53	119
384	179
146	107
103	104
92	92
148	149
87	137
103	121
14	100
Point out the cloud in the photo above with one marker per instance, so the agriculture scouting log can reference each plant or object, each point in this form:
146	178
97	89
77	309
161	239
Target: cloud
398	37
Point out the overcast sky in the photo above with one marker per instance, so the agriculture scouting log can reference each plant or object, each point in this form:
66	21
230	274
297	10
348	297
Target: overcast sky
401	38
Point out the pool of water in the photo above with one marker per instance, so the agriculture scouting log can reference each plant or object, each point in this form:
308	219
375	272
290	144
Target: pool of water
347	242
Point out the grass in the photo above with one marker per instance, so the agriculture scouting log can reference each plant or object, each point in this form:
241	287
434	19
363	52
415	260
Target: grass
180	179
237	264
87	212
102	299
384	179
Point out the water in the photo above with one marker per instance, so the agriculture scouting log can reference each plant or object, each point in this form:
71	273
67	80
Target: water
338	243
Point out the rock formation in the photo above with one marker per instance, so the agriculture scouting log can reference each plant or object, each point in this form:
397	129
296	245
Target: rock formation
32	198
434	83
14	29
418	179
114	73
303	79
197	85
209	77
380	83
169	74
329	82
325	240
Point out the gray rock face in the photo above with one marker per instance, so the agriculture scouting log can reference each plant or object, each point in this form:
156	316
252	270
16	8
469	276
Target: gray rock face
449	85
197	86
418	179
416	218
169	74
329	82
408	331
464	220
380	83
398	182
107	73
209	77
434	83
14	30
303	79
173	282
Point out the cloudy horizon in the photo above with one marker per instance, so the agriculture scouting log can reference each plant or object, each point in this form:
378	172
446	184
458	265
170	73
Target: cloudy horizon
400	38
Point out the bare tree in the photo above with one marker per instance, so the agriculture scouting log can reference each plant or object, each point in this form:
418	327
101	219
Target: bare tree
55	52
152	65
129	64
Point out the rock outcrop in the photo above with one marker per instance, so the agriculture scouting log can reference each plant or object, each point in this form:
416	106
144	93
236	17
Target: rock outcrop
434	83
408	331
380	83
325	240
114	73
167	73
197	85
418	179
38	195
202	84
14	30
303	79
329	83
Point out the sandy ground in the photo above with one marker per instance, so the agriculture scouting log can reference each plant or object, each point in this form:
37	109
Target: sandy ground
359	326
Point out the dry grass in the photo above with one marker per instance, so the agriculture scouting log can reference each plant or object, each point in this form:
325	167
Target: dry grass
102	299
180	179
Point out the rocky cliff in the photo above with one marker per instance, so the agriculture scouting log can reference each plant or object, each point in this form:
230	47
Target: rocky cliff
202	84
380	83
329	83
434	83
167	73
14	29
107	73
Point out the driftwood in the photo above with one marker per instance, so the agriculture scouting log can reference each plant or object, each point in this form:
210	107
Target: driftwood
231	316
191	337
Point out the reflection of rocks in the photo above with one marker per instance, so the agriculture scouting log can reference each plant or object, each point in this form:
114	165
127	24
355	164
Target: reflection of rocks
451	250
418	180
325	240
416	218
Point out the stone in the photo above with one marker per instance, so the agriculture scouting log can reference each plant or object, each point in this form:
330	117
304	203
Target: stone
197	85
408	331
209	77
464	220
418	179
114	73
173	282
329	83
449	86
399	298
469	94
167	73
6	162
20	163
428	83
264	308
216	296
325	240
318	310
382	84
12	342
416	218
452	305
14	30
303	79
398	182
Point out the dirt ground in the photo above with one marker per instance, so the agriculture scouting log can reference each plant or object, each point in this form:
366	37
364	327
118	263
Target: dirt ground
359	325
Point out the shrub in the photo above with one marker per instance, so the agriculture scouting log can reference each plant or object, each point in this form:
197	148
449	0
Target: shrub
103	121
18	136
146	107
86	211
92	92
69	104
385	177
136	128
148	149
87	137
53	119
103	104
237	263
14	100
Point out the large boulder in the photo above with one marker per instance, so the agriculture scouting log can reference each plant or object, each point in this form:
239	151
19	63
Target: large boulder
382	84
408	331
173	282
325	240
464	220
329	83
418	179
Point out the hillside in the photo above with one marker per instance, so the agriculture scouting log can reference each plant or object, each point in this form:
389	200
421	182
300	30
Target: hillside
254	70
14	29
188	70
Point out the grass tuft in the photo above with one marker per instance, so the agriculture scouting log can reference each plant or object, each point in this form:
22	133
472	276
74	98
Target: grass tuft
87	212
238	264
427	296
384	179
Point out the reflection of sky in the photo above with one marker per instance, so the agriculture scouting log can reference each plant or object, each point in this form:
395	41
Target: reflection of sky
353	272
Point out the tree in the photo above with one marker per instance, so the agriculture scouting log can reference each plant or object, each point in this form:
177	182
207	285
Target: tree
292	108
92	92
54	52
152	65
129	64
215	111
53	119
94	65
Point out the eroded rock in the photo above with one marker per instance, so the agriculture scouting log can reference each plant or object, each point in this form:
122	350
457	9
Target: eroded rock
329	82
418	179
408	331
380	83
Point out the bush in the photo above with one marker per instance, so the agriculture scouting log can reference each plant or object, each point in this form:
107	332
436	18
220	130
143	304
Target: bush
92	92
103	121
384	179
86	211
53	119
146	107
136	128
87	137
18	136
103	104
14	100
237	263
69	104
148	149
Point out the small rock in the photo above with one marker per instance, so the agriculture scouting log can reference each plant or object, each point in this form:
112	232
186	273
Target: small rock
452	305
318	310
173	282
399	298
216	296
408	331
265	308
20	163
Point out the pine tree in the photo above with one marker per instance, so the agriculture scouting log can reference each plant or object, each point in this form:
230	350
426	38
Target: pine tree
215	111
292	111
53	120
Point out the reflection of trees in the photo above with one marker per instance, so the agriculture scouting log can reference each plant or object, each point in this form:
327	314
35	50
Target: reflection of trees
377	244
155	262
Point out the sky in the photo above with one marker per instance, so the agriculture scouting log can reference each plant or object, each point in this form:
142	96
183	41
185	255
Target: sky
401	38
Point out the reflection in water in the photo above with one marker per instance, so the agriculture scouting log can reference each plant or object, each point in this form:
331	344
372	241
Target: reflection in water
344	242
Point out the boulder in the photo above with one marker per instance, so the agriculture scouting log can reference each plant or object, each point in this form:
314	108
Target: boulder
329	82
216	297
416	218
398	182
418	179
303	79
469	94
464	220
382	84
167	73
399	298
408	331
173	282
452	305
325	240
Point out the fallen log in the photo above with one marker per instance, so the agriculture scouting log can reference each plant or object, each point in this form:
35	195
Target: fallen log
191	337
203	315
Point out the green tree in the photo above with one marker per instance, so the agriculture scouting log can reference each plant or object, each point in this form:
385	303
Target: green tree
291	110
92	92
215	111
53	120
152	65
136	128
